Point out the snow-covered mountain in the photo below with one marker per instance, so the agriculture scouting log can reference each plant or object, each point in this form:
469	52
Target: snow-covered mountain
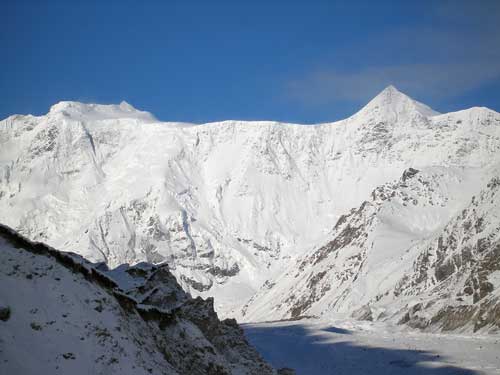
60	314
233	206
392	259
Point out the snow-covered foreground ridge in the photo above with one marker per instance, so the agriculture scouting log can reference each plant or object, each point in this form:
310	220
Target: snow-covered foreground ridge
235	208
60	314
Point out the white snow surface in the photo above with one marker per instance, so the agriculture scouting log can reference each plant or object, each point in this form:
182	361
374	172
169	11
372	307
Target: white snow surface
233	206
347	347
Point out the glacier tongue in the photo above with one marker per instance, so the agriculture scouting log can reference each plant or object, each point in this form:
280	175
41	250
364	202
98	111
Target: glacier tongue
228	205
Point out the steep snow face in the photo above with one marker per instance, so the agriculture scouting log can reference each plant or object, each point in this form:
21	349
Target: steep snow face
227	205
61	314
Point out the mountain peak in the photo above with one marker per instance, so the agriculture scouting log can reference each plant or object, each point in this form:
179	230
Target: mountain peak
392	105
127	106
391	89
91	111
391	95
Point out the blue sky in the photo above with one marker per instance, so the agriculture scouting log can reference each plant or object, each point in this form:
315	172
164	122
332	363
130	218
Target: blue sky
200	61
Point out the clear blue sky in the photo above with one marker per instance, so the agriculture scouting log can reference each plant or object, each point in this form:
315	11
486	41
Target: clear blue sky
297	61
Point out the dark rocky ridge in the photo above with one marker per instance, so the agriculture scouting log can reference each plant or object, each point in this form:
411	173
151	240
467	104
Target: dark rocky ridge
219	347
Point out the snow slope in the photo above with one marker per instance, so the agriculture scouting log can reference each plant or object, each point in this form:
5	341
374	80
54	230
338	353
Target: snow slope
227	205
60	314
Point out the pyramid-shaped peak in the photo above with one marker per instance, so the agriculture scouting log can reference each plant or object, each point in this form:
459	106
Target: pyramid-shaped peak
127	106
391	94
391	89
392	105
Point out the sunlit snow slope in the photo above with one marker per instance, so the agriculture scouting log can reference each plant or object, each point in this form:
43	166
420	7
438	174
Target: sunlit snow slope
233	204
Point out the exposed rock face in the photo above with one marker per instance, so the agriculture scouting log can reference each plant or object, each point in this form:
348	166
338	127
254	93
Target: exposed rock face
4	313
458	270
81	318
227	205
